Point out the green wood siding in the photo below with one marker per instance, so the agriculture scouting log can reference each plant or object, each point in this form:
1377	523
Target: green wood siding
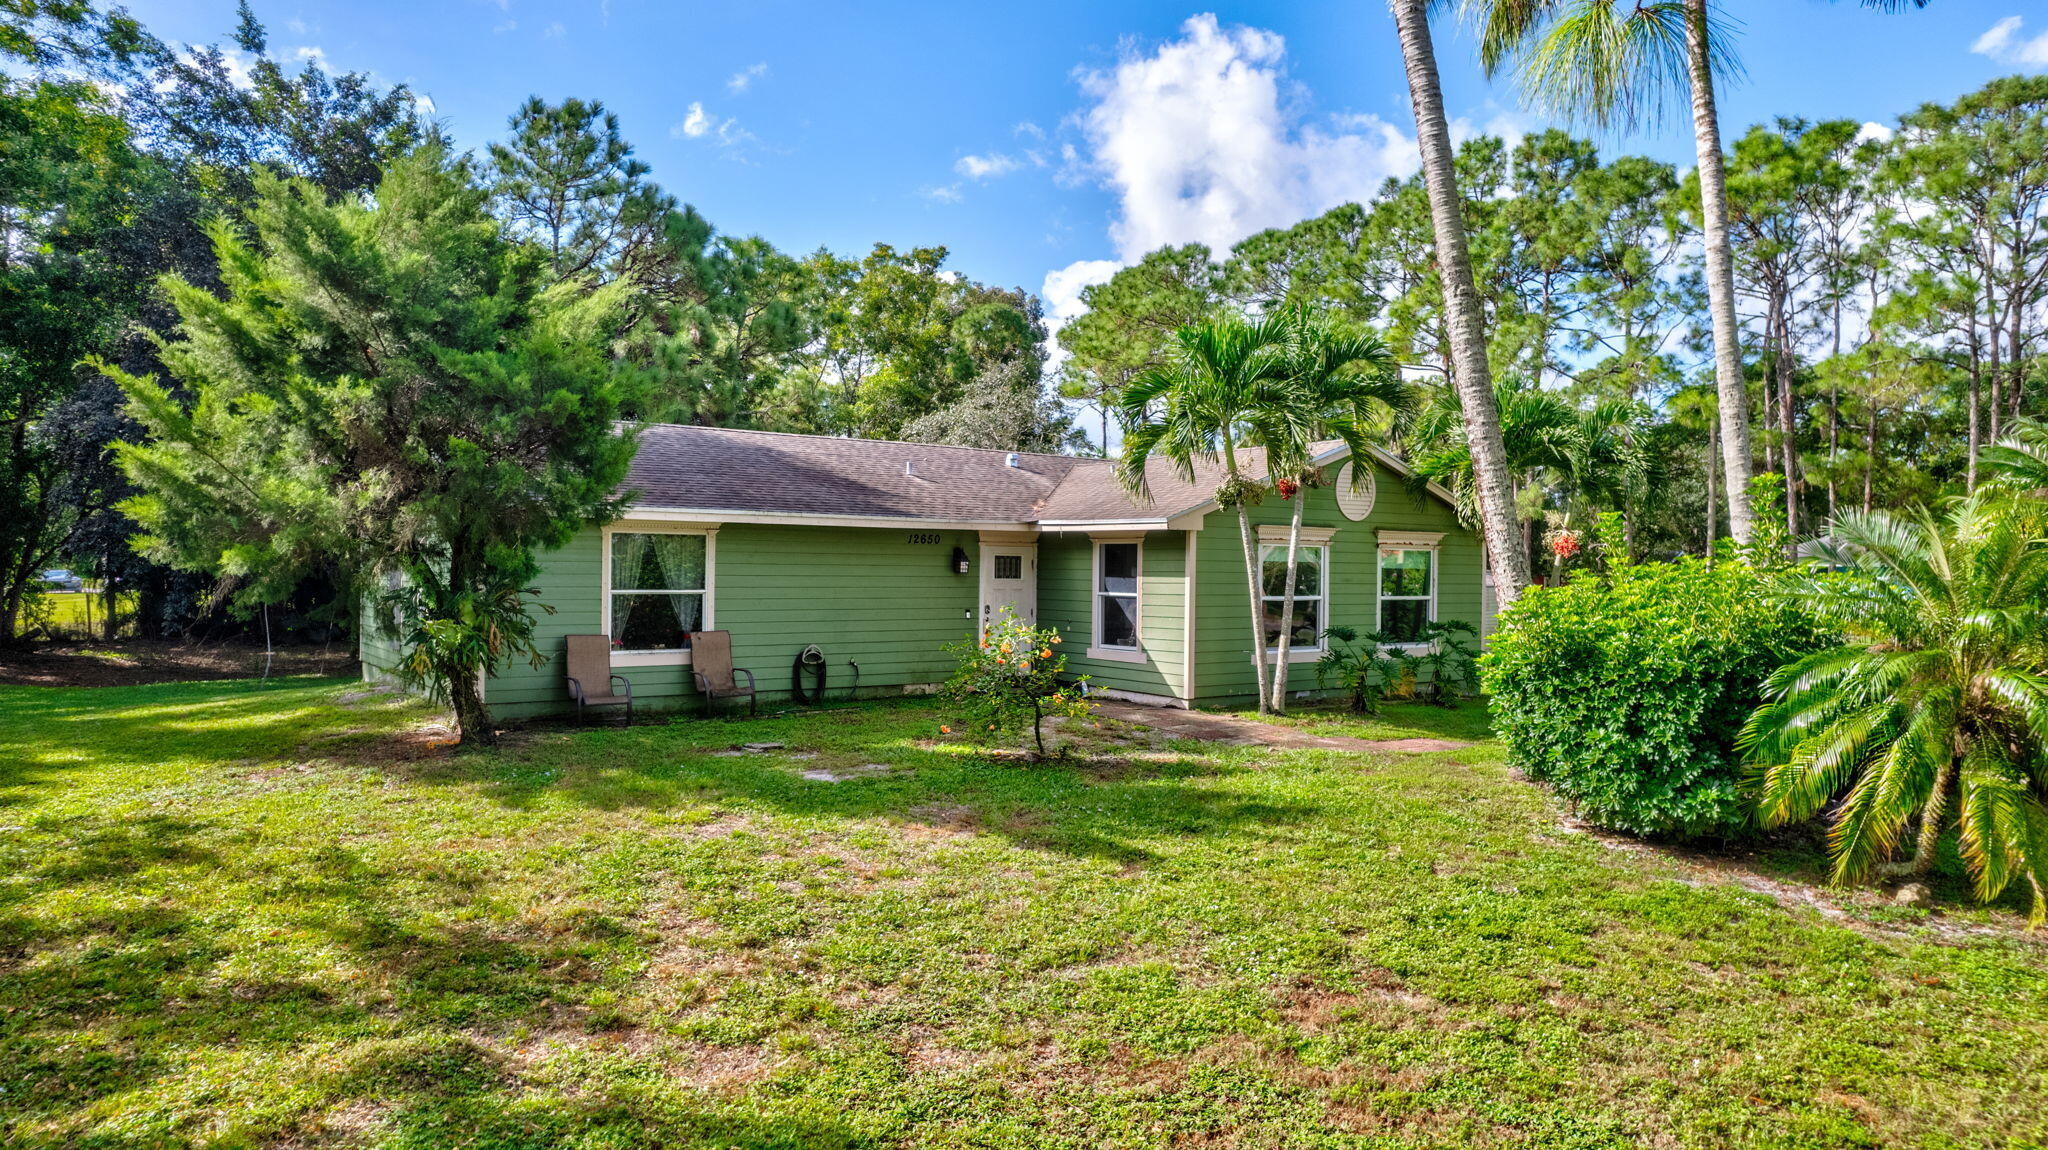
378	645
1066	565
865	594
1223	644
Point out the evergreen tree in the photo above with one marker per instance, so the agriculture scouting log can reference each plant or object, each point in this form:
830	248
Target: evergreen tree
394	382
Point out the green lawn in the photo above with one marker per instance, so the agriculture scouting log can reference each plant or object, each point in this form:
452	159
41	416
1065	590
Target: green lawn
70	612
238	915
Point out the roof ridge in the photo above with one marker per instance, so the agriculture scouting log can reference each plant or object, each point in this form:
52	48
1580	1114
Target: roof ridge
885	442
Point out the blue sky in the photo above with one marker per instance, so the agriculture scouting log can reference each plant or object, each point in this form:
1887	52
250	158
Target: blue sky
1054	140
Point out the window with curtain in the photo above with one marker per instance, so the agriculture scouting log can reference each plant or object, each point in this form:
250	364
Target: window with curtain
1116	596
657	590
1307	623
1406	599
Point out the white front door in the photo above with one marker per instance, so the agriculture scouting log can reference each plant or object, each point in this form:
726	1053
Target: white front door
1009	578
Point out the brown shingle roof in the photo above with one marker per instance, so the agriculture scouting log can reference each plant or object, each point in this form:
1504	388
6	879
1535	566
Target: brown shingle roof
725	469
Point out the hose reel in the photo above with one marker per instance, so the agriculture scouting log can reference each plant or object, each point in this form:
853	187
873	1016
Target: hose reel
810	661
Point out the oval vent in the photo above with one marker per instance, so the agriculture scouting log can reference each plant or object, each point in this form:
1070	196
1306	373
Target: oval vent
1354	502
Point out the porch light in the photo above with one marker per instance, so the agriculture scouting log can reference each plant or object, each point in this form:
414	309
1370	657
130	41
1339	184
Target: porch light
959	561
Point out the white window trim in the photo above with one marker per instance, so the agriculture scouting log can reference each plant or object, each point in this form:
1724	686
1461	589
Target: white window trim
1134	654
1320	540
1431	542
604	575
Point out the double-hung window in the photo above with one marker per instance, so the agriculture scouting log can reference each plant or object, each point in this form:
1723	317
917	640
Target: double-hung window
657	589
1311	573
1116	596
1407	588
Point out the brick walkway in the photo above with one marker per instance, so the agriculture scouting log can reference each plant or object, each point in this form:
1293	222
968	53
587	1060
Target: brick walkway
1236	732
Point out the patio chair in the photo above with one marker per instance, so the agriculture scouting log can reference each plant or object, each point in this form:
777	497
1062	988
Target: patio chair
589	667
711	665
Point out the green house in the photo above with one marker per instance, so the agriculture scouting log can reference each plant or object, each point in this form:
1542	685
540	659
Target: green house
880	554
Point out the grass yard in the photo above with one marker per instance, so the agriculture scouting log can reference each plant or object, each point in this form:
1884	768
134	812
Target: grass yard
239	915
71	613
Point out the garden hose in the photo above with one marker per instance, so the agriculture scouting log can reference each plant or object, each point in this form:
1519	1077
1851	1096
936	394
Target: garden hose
809	659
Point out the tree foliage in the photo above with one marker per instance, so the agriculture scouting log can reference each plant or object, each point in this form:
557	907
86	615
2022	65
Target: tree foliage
393	382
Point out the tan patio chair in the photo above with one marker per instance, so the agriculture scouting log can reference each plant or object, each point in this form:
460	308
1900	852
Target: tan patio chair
711	665
589	665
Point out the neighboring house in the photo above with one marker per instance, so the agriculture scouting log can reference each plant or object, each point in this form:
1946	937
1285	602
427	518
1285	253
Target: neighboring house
882	553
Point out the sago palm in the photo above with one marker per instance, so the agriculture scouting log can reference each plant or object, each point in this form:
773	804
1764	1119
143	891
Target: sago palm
2020	460
1225	386
1935	711
1342	386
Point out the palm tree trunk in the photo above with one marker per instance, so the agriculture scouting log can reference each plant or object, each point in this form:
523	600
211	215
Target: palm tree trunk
1728	381
1469	370
1287	604
1251	574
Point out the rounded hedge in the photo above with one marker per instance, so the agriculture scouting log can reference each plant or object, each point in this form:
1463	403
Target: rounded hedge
1625	693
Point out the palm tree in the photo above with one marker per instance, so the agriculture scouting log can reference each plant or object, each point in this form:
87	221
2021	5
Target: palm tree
1493	488
1344	387
1225	385
1937	708
1539	431
1611	62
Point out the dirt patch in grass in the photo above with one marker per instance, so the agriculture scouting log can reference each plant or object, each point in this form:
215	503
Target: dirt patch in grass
942	819
135	662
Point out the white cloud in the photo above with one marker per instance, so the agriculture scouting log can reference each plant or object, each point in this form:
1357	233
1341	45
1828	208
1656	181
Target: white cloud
1872	130
1202	140
296	26
943	194
1063	286
744	79
700	124
554	31
507	26
695	124
1028	130
2003	43
311	55
986	167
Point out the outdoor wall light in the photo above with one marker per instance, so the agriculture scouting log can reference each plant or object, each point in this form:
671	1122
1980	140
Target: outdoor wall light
959	561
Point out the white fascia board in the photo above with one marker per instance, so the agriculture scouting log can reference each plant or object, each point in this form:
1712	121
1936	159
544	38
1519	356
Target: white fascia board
643	513
1062	526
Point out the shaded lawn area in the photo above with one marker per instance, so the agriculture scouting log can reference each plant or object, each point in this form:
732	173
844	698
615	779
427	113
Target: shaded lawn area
1465	721
234	914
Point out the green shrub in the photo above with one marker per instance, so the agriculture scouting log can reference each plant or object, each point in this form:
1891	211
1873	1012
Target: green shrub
1626	693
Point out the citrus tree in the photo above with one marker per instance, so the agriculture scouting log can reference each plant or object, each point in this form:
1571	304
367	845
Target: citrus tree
1013	679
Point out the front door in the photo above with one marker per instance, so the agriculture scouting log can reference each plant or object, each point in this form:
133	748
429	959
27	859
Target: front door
1009	578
